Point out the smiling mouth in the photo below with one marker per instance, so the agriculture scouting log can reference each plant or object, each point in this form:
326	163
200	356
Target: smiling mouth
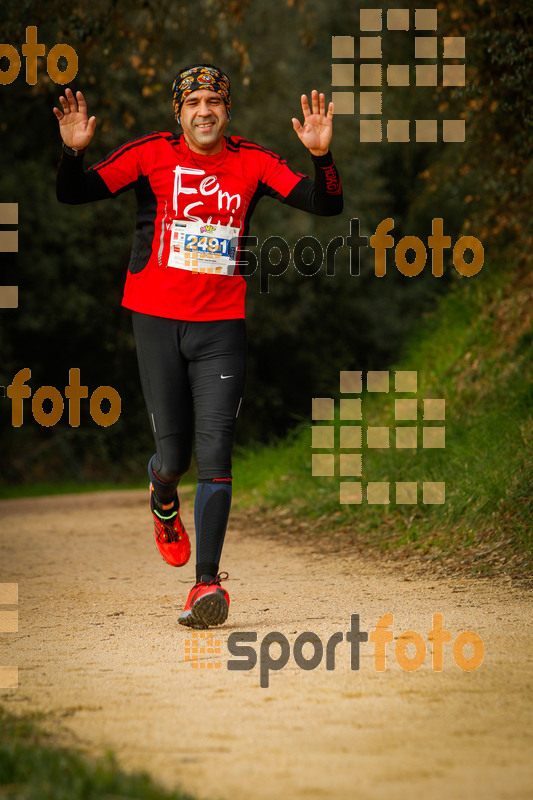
205	126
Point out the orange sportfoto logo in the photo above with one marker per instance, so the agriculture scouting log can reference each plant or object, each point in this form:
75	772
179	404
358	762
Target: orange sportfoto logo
31	50
75	392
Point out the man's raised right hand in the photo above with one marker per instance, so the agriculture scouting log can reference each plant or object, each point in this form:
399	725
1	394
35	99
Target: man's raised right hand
75	129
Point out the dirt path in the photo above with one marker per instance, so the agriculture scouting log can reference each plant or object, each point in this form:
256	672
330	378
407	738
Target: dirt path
99	647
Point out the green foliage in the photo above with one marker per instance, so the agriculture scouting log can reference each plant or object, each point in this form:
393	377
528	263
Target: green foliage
32	767
488	179
477	353
72	261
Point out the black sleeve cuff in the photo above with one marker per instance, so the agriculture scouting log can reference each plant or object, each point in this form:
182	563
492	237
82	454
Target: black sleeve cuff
69	151
323	161
75	185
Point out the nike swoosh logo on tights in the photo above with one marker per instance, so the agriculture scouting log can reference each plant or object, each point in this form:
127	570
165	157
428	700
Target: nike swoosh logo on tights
227	376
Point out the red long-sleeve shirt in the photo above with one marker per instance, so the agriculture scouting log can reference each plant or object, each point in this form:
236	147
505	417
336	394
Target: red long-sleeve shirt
172	182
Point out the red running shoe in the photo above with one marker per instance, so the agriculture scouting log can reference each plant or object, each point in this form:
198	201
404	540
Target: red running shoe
170	535
207	604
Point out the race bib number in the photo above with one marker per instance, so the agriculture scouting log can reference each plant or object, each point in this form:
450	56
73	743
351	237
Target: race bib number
203	247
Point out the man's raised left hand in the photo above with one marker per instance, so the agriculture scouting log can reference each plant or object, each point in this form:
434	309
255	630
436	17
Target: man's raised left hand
317	129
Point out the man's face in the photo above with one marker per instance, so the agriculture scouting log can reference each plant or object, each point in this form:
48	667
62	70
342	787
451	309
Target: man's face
203	119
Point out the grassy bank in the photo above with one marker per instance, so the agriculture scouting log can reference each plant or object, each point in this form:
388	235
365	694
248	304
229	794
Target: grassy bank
476	351
32	767
46	488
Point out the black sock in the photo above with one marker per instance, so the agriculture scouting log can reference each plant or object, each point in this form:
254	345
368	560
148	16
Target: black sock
211	511
206	572
164	492
158	505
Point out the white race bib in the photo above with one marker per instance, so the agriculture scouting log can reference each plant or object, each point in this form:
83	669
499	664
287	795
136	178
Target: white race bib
203	247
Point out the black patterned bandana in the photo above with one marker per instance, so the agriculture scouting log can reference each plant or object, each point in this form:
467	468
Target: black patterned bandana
200	76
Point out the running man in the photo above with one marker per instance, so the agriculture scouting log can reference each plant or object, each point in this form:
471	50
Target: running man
196	192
